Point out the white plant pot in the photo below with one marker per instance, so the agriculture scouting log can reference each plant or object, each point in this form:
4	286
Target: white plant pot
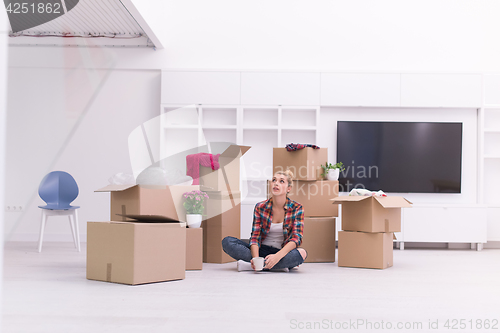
333	174
193	220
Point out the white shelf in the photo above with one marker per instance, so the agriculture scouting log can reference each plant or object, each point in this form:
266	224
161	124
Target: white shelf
219	127
302	128
218	117
491	156
260	127
492	130
181	126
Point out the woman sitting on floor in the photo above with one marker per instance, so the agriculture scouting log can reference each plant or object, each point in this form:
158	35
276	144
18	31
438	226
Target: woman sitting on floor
277	230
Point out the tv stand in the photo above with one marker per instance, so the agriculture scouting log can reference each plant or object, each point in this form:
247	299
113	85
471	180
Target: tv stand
445	224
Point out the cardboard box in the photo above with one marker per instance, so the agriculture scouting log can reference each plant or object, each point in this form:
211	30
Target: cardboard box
224	211
319	239
371	214
227	177
365	250
194	249
314	196
147	200
136	252
304	163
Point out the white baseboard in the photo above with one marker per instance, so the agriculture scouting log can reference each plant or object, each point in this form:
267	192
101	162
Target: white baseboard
492	245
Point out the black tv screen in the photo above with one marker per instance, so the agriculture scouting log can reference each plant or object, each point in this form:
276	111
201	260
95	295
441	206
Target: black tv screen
407	157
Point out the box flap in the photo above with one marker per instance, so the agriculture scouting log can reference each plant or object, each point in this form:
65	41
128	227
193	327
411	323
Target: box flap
393	202
234	150
348	198
150	218
115	188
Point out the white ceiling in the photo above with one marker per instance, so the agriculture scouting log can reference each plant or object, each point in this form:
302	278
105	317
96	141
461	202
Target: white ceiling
113	23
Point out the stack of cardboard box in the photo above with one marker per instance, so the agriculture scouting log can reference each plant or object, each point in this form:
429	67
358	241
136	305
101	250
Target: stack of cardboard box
314	194
223	208
144	241
368	224
134	248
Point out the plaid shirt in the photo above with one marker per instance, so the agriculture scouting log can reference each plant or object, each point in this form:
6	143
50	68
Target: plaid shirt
293	225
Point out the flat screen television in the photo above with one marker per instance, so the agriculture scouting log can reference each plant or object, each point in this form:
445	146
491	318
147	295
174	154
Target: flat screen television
405	157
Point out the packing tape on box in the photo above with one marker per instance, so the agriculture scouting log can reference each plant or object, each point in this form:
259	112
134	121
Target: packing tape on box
108	272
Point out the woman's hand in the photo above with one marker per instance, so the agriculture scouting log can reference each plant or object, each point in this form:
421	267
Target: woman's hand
271	260
251	262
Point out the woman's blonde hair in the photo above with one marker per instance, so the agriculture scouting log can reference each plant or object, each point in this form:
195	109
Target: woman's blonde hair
288	174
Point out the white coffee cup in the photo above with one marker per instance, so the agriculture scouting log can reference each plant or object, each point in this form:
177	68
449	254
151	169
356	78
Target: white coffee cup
258	262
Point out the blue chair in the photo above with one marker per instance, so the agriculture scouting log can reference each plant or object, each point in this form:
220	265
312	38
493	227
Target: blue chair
58	189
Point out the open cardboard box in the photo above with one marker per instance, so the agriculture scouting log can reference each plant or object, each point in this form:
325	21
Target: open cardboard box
136	252
314	196
371	213
166	201
365	250
223	219
227	177
319	239
304	163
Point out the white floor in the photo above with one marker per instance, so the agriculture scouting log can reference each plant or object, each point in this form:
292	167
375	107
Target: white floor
48	292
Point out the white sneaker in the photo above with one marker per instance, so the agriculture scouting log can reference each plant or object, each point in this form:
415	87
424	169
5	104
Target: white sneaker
244	266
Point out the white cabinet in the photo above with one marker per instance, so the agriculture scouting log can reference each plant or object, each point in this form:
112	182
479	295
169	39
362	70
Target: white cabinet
441	90
200	87
490	154
360	89
494	224
491	89
280	88
455	224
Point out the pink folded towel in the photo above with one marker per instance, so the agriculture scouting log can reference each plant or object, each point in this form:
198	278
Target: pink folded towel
194	161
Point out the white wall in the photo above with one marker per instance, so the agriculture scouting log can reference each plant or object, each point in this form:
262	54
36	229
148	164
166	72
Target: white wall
72	120
337	35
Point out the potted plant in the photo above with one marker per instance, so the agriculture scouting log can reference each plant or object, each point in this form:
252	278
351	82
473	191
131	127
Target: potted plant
332	171
193	203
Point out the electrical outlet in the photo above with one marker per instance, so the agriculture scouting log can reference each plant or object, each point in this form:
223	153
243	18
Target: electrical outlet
14	208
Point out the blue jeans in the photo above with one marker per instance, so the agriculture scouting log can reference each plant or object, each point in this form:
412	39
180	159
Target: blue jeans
240	250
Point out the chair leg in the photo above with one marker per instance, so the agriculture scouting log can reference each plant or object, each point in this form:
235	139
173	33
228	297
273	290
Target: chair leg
77	231
42	229
72	225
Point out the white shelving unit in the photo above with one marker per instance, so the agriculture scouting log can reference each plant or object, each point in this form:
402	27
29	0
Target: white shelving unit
489	159
490	181
262	127
270	109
